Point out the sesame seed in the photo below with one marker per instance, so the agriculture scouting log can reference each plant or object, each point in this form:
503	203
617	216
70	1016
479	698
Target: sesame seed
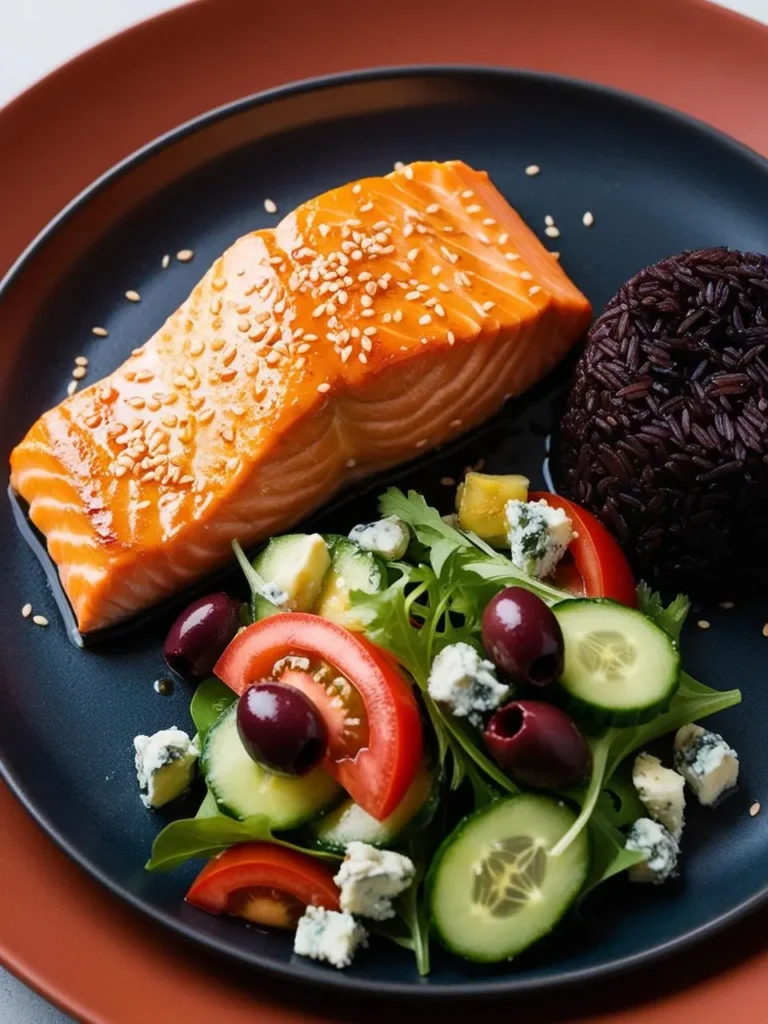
503	238
408	230
488	306
447	481
412	254
439	309
433	208
534	289
366	344
165	262
426	319
703	624
185	255
397	316
26	611
474	208
451	337
366	301
357	189
367	312
324	230
408	172
482	237
132	296
555	255
270	206
532	170
399	165
318	310
413	296
40	620
422	442
467	193
549	220
754	810
366	207
79	372
322	388
511	256
526	275
81	360
552	232
588	219
100	332
443	287
489	222
370	331
363	357
765	629
342	297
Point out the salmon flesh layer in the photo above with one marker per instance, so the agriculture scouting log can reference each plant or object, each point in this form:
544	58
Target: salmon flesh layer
373	323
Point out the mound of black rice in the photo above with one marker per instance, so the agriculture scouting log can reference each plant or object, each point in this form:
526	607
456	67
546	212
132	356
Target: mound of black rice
665	435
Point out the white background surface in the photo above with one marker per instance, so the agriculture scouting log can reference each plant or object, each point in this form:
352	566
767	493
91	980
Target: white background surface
35	37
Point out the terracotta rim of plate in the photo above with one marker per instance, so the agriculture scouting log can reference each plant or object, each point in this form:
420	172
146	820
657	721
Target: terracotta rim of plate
144	82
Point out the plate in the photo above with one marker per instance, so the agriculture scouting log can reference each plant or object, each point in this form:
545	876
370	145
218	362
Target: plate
656	183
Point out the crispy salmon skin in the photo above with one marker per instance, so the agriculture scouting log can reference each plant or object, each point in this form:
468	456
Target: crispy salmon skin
373	323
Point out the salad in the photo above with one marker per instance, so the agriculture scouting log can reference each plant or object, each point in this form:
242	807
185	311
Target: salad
433	729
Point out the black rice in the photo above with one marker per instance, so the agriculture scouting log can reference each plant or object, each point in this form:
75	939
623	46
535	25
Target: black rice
665	435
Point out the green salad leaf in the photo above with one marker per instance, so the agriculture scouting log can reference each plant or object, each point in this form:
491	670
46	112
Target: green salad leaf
210	833
210	699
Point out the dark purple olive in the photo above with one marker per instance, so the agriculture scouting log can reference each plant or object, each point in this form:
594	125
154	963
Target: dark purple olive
538	744
198	637
522	637
280	728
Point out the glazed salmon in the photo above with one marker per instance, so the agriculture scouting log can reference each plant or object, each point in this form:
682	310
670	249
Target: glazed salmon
372	324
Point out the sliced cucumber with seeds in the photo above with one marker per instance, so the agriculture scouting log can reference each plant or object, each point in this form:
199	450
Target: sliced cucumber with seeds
348	822
351	569
493	889
295	565
242	788
620	668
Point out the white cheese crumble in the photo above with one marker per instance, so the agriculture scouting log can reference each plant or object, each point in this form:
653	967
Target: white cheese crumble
369	879
465	682
328	935
660	849
165	765
662	792
275	594
538	536
388	537
706	762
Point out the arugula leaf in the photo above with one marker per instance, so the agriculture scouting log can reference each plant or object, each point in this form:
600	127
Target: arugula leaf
210	699
204	836
609	856
671	618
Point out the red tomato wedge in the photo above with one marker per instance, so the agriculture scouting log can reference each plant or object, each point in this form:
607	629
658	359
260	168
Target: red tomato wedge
597	556
265	883
378	775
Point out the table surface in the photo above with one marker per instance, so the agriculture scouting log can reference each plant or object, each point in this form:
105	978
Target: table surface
36	37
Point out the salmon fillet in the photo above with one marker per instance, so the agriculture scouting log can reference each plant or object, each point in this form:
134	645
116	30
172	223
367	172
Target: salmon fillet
373	323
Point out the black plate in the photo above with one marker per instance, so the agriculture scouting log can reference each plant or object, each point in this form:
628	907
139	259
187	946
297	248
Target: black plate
656	182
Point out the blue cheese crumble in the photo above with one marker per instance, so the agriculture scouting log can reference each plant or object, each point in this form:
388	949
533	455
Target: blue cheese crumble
329	935
660	849
706	762
388	537
465	683
662	792
369	879
165	765
538	536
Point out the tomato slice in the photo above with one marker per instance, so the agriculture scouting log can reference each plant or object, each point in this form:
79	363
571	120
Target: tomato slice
379	773
264	883
596	554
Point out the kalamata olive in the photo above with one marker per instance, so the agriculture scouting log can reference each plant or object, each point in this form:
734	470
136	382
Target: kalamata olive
199	635
538	744
280	728
522	637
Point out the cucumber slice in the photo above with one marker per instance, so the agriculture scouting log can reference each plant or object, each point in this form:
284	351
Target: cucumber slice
351	569
620	668
349	822
242	788
493	890
295	564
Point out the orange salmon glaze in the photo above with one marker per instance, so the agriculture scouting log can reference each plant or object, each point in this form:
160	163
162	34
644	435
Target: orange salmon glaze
372	324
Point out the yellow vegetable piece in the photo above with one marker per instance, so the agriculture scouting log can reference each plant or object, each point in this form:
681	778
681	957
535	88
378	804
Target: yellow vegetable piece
480	502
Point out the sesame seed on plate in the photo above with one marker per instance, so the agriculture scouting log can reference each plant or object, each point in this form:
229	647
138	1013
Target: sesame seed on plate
588	219
270	206
552	232
549	220
554	254
703	624
447	481
185	255
40	620
754	810
100	332
165	262
79	372
71	387
765	629
322	388
26	611
532	170
81	360
726	605
132	295
399	165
